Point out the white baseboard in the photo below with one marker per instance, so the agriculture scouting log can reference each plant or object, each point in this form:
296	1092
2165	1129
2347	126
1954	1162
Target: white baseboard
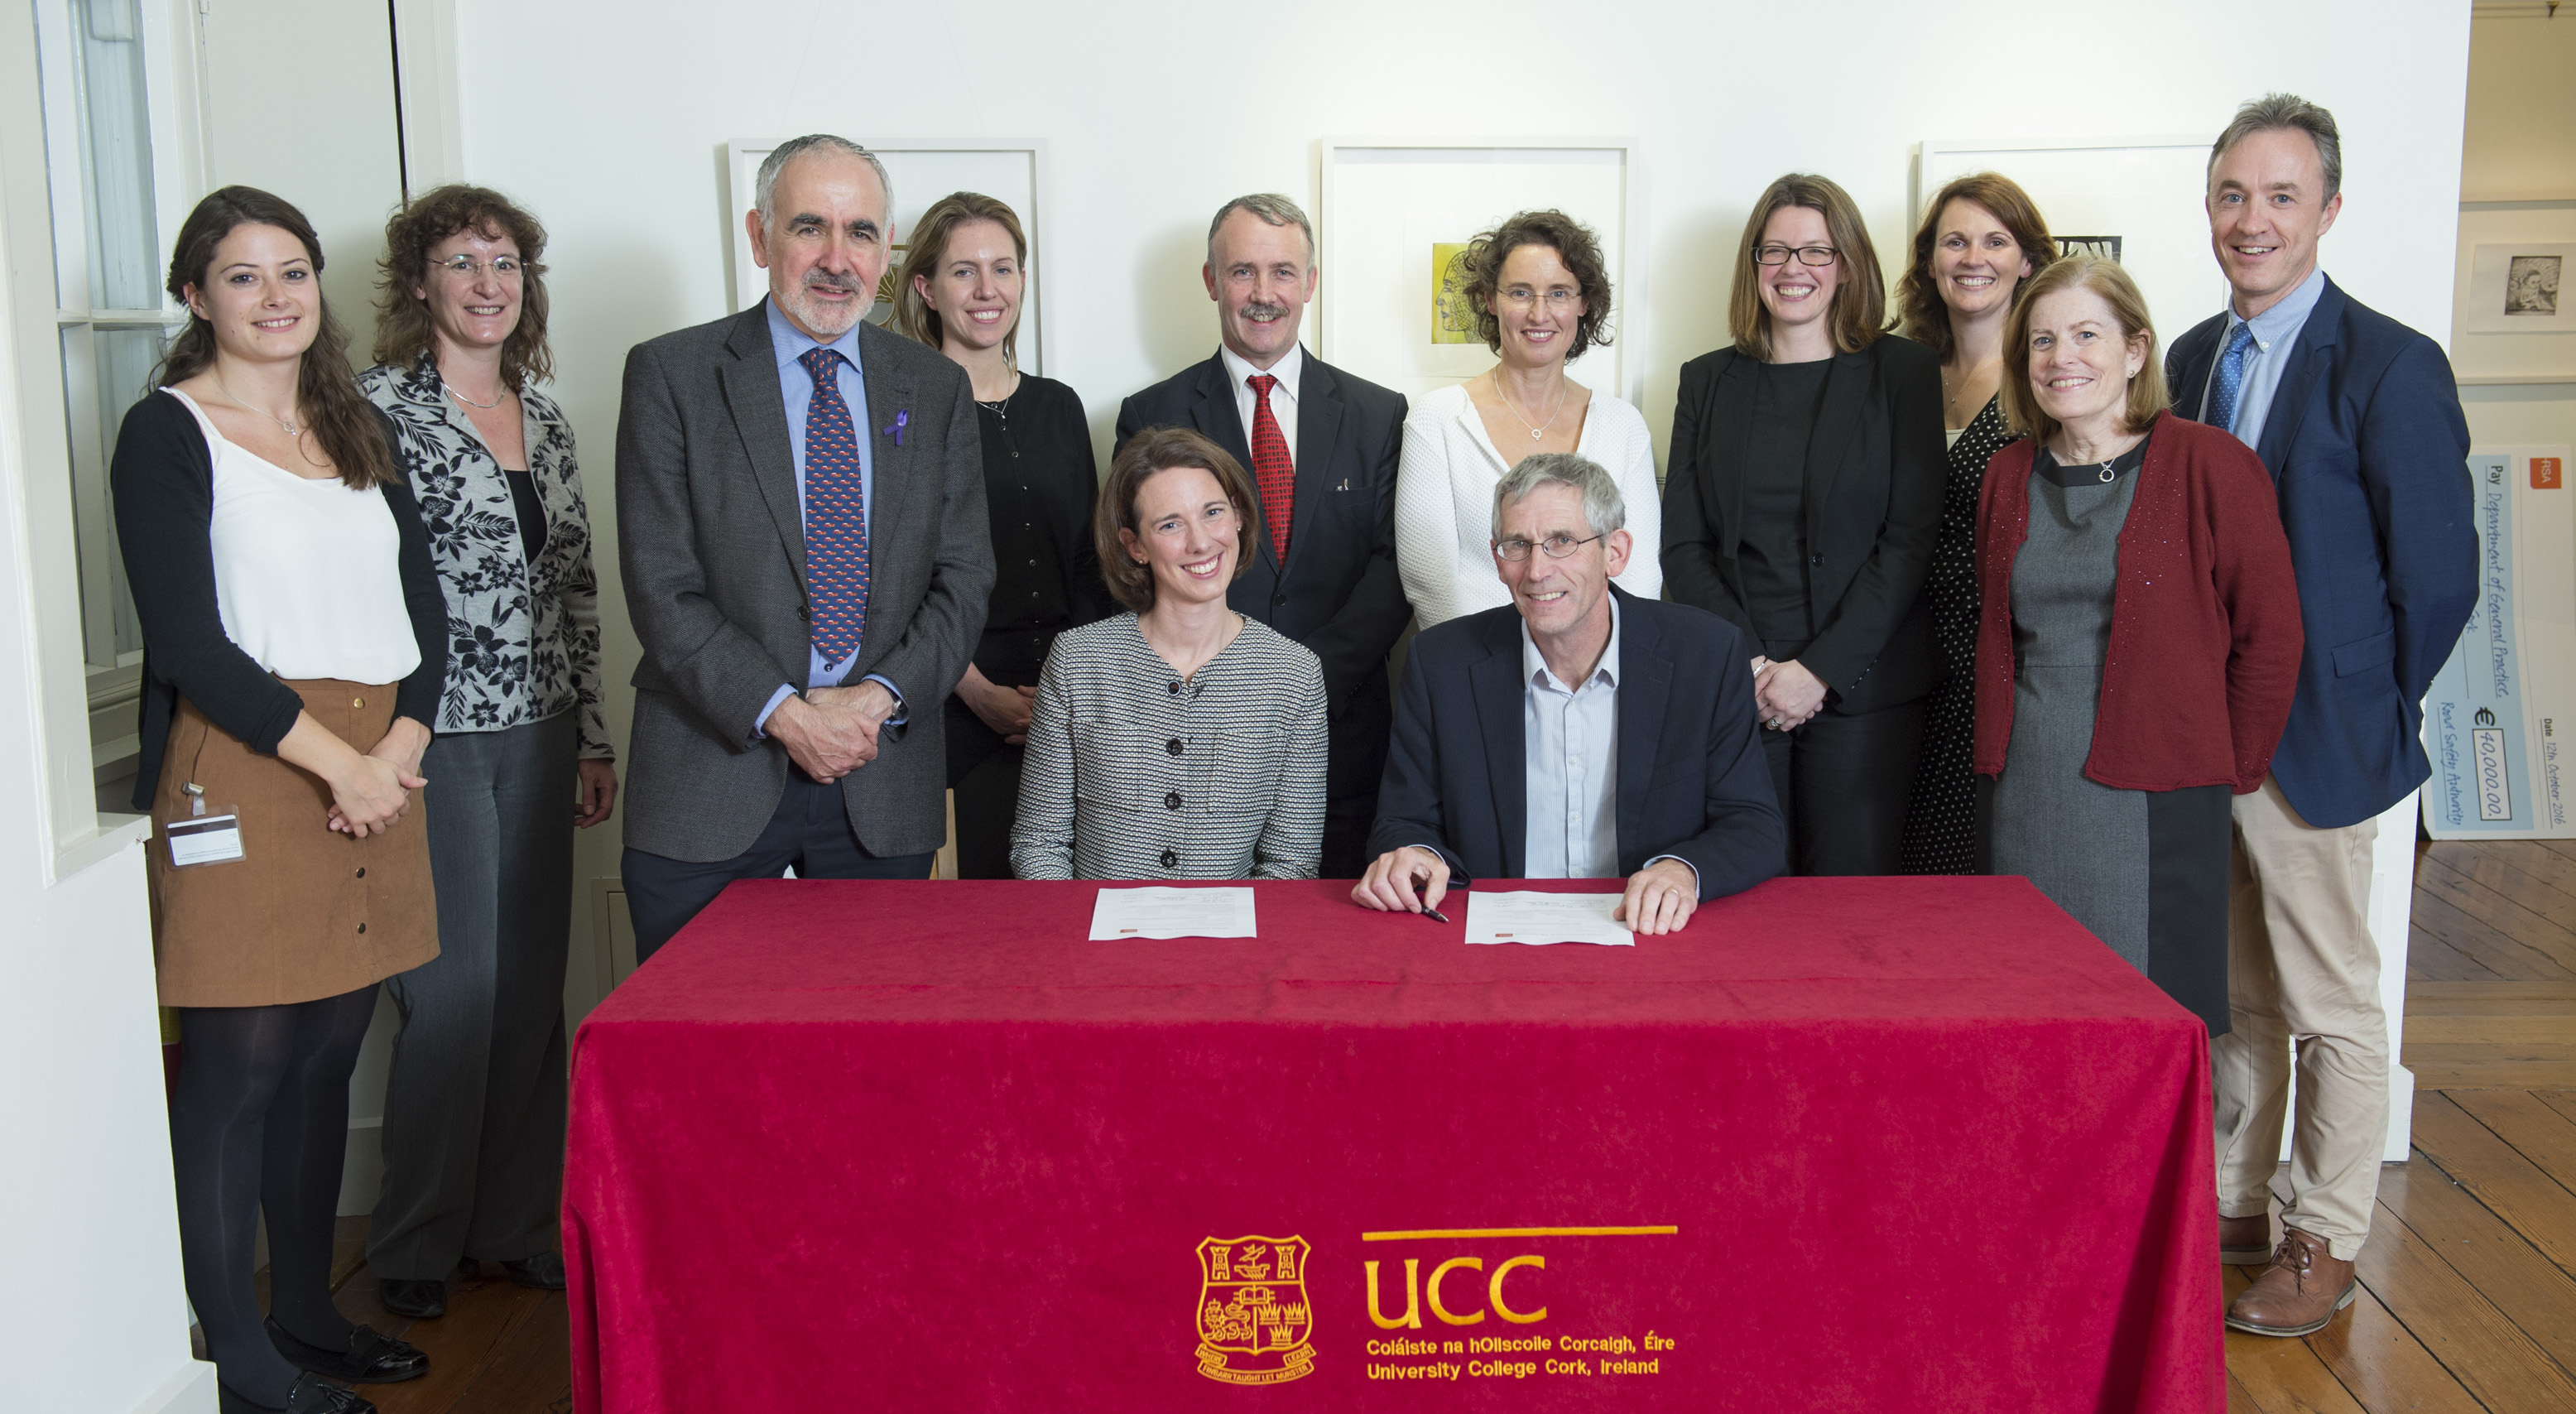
187	1391
2401	1114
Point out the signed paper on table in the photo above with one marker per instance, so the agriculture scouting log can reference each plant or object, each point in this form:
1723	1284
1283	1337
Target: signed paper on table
1524	917
1171	913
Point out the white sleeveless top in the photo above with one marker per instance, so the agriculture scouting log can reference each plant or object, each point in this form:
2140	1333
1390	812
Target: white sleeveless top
308	579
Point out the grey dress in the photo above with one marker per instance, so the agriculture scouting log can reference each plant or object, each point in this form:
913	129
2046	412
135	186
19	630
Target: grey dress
2144	871
2083	843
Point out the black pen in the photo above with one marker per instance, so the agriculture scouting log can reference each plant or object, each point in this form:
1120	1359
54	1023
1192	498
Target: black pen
1435	915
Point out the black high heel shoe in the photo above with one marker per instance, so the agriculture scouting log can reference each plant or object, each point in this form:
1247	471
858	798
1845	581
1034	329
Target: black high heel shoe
372	1358
310	1394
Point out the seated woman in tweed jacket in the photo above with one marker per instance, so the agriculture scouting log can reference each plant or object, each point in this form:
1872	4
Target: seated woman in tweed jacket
1179	740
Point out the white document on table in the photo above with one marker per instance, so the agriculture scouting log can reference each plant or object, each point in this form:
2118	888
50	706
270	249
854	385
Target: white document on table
1525	917
1171	913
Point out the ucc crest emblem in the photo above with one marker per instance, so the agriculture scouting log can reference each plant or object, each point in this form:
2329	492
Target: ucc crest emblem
1254	1319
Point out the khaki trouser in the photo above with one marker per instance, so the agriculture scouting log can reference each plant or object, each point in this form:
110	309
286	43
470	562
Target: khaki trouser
2303	976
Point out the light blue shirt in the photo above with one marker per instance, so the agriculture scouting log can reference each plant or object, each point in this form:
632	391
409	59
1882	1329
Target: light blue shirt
796	388
2276	334
1570	744
1570	756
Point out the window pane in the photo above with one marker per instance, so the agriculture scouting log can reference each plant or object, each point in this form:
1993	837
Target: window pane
116	137
125	359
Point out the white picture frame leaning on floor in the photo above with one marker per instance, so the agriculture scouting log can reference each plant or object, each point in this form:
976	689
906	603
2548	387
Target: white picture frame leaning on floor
1384	204
922	172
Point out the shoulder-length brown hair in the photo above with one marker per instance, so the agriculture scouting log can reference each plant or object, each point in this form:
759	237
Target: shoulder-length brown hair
1859	312
929	245
1152	450
403	328
1573	243
2103	277
343	423
1924	316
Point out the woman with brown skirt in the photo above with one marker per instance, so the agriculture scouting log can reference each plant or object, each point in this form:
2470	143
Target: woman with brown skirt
294	647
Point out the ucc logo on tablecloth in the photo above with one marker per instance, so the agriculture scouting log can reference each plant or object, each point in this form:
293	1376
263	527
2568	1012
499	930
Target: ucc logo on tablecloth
1256	1326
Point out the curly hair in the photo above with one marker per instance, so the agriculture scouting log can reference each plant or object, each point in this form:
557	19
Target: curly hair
1925	317
404	331
928	246
1159	449
1573	243
342	421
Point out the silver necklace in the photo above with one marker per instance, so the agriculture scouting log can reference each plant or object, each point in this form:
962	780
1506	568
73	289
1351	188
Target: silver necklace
469	402
291	429
1540	429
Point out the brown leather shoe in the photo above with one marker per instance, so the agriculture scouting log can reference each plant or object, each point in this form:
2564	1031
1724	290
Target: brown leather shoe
2245	1242
2298	1293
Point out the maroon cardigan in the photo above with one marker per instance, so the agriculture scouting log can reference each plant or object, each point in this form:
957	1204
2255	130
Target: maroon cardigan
2205	637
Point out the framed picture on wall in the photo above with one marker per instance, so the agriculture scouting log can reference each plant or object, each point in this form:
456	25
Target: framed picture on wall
2138	200
2510	286
1395	213
921	173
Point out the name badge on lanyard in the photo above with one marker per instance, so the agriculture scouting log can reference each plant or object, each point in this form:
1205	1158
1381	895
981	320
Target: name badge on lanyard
201	837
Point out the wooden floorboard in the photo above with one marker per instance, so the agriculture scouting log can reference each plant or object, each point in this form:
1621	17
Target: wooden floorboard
2480	1347
2517	1278
2511	1187
2468	1300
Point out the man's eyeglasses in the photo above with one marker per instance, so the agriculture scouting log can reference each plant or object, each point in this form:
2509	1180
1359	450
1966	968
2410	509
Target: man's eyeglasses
1807	254
466	267
1557	546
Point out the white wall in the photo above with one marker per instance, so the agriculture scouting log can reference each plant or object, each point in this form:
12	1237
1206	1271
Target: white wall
92	1316
609	122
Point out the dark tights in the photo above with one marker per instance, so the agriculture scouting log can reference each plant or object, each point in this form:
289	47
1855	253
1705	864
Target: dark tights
260	1124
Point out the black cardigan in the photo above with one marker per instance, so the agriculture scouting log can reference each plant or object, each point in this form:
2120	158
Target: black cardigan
1875	476
162	480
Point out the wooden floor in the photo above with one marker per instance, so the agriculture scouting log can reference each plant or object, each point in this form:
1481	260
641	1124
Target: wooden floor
2468	1283
2468	1297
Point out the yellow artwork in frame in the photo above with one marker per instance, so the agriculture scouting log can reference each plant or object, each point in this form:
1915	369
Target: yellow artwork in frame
1453	320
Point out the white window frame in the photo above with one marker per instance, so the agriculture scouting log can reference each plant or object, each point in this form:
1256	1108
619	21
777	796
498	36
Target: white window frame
112	681
36	454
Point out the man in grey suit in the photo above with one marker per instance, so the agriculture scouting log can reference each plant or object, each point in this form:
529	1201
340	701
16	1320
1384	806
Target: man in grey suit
801	529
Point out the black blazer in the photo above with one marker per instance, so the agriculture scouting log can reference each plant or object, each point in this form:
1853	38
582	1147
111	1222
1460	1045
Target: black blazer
1692	780
1338	594
1873	505
162	479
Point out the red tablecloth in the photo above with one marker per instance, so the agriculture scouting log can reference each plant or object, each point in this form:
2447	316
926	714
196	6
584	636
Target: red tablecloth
1917	1144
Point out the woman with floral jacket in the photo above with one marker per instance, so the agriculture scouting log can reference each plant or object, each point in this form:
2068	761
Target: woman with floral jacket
474	1108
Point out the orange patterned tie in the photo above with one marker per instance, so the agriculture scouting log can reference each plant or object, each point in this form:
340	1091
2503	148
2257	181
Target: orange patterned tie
1270	465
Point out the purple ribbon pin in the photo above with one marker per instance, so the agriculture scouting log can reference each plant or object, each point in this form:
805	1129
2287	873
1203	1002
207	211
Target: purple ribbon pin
896	431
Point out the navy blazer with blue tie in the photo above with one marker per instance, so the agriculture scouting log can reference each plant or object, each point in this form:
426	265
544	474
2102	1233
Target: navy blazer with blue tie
2367	445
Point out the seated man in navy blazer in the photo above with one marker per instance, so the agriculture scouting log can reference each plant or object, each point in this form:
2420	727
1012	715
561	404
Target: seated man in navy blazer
1647	765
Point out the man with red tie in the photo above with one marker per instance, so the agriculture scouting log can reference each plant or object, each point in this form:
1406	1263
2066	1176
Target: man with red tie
801	526
1322	446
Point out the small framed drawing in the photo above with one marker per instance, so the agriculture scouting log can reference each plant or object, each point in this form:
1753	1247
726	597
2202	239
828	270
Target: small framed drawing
1395	215
2138	200
921	173
2517	289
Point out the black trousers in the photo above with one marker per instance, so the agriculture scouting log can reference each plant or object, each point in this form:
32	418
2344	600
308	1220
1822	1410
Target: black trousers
984	774
809	832
1843	782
